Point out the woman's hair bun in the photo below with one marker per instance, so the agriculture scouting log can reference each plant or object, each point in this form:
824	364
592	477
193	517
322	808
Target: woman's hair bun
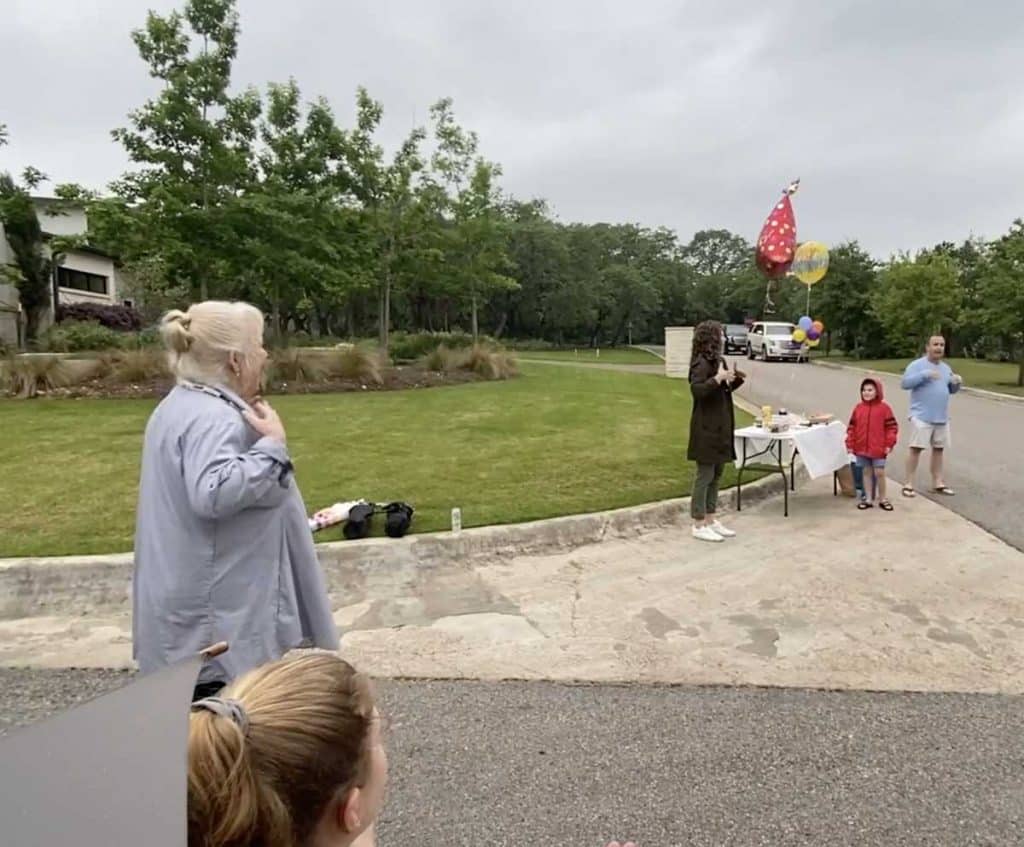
174	331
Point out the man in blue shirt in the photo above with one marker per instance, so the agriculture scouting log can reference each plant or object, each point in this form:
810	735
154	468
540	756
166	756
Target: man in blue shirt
930	381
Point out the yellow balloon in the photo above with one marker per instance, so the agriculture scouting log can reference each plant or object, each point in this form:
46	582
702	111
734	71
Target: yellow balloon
810	264
813	342
799	335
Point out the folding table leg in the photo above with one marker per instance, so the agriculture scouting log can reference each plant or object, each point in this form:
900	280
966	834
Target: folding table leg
785	482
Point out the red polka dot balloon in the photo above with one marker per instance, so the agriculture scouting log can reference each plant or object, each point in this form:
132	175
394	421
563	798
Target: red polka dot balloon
776	245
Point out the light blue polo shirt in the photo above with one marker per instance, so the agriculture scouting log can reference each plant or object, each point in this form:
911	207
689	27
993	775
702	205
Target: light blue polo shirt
929	398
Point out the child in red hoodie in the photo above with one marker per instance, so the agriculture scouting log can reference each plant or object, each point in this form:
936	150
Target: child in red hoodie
871	436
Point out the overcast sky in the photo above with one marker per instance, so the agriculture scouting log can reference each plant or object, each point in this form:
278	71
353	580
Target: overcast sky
905	120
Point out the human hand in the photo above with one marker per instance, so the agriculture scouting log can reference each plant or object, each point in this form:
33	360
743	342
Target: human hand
723	374
934	375
265	420
957	379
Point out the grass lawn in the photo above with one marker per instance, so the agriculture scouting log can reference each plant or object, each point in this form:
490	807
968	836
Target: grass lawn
555	441
610	356
989	376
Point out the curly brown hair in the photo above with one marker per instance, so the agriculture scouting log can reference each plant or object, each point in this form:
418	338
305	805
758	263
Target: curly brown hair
707	341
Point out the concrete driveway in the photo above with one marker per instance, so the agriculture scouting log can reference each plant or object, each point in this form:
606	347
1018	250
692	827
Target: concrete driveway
830	597
985	464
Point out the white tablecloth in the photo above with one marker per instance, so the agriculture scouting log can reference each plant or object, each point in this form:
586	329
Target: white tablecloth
822	448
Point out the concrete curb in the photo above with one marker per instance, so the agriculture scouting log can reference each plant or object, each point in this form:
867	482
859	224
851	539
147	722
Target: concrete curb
83	585
966	389
647	349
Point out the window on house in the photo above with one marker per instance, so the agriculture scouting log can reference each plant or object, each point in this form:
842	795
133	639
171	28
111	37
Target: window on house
81	281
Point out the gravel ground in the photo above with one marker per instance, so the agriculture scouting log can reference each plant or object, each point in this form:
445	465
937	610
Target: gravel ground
495	764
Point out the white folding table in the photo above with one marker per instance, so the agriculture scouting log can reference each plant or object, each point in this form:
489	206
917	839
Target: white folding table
821	447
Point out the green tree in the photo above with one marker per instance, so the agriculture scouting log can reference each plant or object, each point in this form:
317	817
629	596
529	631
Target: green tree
635	298
843	301
463	185
33	266
916	298
290	225
969	336
571	308
725	286
387	193
658	258
193	145
34	256
539	255
480	241
1001	288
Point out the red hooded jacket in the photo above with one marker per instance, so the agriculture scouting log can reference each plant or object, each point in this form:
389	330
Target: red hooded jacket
873	430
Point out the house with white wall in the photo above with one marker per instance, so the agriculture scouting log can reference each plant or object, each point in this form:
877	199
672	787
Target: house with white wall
85	275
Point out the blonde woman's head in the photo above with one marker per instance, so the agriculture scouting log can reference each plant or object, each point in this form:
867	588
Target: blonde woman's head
217	342
295	758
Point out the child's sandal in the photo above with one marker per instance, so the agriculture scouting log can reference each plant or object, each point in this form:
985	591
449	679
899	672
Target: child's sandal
864	504
885	506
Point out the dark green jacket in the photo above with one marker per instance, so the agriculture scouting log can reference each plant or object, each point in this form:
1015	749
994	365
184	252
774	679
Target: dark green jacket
713	420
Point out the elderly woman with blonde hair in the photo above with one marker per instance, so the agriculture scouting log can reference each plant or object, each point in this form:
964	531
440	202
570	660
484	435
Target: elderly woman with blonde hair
223	550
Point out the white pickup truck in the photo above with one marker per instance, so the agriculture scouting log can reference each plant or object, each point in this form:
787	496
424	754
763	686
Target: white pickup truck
770	340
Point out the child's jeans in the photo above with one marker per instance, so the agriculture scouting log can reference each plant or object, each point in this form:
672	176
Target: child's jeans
868	462
858	465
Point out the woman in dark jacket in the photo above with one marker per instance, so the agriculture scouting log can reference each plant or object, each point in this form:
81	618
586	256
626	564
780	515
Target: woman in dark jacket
712	382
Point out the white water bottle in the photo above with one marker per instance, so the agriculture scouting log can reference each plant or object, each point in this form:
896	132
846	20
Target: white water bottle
456	520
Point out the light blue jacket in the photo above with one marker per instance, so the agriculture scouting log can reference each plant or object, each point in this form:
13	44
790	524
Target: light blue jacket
223	550
929	398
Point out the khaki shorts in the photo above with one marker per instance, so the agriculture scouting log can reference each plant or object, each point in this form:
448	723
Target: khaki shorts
924	435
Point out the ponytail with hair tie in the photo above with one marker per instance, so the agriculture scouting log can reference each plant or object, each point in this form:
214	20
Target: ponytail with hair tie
225	708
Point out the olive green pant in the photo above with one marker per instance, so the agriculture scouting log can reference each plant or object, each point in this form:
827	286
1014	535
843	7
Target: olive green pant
704	501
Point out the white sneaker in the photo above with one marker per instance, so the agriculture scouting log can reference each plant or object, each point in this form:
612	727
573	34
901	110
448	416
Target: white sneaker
723	531
706	533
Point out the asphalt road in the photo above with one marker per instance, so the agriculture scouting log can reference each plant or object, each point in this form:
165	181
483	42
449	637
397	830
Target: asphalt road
984	465
510	764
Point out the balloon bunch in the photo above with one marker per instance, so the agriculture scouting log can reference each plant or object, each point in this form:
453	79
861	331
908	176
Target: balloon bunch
809	331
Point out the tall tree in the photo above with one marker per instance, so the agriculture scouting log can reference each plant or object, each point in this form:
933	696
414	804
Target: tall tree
843	300
35	254
1001	283
387	192
480	241
539	255
916	298
193	143
465	186
33	266
969	335
290	224
721	262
